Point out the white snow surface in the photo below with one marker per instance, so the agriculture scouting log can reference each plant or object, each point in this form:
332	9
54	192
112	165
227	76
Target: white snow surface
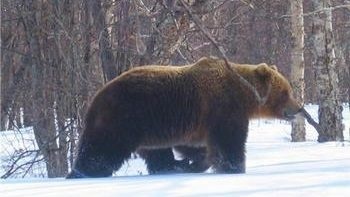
275	167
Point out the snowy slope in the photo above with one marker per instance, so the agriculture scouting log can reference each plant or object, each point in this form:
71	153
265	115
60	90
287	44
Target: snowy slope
275	167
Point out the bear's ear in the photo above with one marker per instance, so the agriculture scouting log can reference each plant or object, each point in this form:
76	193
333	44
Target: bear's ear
263	71
274	67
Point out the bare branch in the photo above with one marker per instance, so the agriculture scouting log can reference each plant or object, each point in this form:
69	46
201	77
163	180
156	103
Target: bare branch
310	120
198	22
17	158
316	125
320	10
13	167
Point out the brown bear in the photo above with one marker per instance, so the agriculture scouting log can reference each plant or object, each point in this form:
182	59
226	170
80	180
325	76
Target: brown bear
202	105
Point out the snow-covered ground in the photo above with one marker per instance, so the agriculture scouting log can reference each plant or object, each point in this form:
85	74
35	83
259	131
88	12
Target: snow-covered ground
275	167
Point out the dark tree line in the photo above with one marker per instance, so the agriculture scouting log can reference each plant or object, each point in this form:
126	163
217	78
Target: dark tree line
55	54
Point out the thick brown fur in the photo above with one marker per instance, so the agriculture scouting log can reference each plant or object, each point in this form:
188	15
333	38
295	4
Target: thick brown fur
202	105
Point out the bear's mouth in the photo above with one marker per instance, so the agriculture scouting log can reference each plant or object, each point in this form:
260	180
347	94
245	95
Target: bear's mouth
288	116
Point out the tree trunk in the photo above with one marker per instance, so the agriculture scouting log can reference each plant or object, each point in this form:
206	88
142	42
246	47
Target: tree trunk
42	96
297	68
330	107
123	33
61	153
105	48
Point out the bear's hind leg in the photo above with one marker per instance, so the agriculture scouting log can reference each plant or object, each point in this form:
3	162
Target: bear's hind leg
196	156
161	161
89	163
99	156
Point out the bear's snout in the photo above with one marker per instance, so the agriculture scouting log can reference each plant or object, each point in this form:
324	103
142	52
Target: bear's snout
290	111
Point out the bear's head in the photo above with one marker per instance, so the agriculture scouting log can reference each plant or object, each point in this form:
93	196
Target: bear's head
278	92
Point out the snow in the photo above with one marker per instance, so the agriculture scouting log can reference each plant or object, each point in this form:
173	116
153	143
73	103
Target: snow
275	167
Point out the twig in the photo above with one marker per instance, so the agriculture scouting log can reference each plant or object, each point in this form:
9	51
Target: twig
310	120
13	169
27	153
321	134
320	10
32	163
198	22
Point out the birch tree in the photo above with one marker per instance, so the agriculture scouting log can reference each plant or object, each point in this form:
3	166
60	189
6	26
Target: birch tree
330	108
297	69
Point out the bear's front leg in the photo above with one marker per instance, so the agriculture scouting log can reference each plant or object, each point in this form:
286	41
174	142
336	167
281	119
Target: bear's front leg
226	148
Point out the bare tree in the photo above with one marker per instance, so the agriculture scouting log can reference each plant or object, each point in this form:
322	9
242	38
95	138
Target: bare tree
42	104
297	67
330	106
98	10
